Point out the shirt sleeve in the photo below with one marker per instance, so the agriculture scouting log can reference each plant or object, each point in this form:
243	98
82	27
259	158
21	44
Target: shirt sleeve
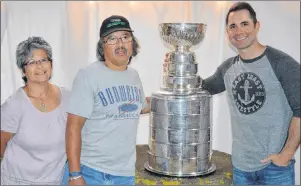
142	95
291	85
289	77
10	115
287	70
81	100
215	84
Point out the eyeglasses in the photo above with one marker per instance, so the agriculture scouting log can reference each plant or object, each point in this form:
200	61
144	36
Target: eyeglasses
114	40
32	63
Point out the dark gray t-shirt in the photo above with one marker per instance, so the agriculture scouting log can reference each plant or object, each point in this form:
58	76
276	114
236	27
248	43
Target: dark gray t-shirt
263	96
111	101
36	154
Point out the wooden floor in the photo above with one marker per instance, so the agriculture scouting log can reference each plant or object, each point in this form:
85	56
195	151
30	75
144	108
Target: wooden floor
221	176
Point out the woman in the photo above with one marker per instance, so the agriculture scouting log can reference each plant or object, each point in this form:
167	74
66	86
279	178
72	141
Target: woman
33	121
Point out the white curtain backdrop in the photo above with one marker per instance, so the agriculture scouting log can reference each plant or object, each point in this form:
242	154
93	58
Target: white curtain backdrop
72	27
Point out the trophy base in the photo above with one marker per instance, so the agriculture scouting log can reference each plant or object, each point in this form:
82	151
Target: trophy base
180	174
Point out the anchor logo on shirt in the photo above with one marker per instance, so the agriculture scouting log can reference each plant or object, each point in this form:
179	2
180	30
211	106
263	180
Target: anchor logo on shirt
248	93
247	99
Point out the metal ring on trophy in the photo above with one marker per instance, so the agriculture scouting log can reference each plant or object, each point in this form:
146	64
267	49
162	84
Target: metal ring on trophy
180	151
172	136
181	69
177	168
182	91
171	81
183	122
186	106
186	57
170	96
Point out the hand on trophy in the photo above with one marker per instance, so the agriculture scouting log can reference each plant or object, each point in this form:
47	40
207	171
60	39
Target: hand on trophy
147	109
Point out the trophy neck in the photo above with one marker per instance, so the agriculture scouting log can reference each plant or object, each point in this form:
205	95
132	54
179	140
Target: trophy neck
182	48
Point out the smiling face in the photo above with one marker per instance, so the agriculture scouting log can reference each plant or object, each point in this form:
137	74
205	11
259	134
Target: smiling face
118	54
241	30
38	68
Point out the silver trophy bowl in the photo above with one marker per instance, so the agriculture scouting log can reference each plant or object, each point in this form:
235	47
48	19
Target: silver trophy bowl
180	129
183	35
181	70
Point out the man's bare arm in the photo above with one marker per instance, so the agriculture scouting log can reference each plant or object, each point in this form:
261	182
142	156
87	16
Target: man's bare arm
73	141
293	140
147	109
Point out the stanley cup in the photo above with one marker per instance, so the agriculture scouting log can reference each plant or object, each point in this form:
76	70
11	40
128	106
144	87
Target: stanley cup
180	142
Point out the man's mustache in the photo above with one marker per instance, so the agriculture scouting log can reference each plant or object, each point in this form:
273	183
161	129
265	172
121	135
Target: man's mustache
121	49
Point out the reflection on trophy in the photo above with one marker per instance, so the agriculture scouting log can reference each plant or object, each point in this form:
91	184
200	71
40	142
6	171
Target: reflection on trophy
180	142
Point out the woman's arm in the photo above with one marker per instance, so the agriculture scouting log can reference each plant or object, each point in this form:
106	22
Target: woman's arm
5	137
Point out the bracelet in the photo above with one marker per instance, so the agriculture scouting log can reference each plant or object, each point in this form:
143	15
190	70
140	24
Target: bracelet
73	174
74	177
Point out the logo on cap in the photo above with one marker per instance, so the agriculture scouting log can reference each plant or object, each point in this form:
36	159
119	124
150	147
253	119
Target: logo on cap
114	20
114	23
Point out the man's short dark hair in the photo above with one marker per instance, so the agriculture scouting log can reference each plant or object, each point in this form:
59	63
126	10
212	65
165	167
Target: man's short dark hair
242	6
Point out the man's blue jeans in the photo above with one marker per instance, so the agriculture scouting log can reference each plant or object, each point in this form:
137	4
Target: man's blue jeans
93	177
271	175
